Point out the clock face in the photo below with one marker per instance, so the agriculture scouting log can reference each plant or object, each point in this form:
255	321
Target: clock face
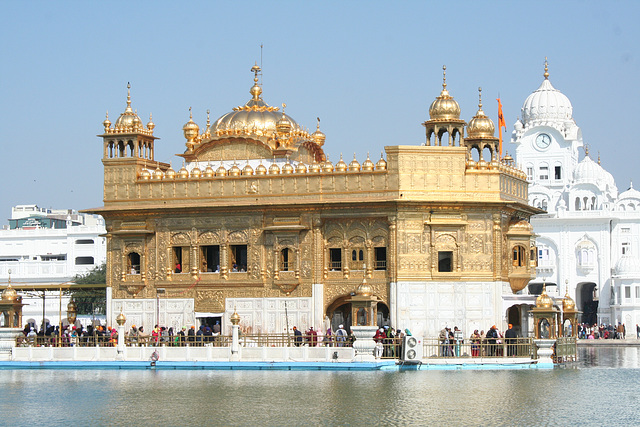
543	141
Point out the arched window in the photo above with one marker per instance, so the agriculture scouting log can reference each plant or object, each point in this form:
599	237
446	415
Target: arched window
133	263
519	256
577	203
544	204
285	259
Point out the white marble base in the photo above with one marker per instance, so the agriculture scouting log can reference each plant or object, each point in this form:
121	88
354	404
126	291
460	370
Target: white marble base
364	343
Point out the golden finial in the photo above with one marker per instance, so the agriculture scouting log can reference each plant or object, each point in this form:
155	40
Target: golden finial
256	90
598	157
190	114
283	107
128	109
586	150
255	69
444	77
208	121
480	98
546	69
318	125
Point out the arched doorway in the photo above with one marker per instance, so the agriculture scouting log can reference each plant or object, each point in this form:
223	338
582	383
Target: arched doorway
339	313
514	317
586	303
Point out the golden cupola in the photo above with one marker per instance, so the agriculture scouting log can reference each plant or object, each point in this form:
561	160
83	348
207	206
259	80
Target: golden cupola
444	119
191	131
318	136
128	121
444	107
544	301
568	304
480	126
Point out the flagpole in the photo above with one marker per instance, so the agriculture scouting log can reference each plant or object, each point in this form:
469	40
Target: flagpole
501	124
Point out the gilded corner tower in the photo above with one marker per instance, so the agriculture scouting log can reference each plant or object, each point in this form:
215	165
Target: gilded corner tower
257	219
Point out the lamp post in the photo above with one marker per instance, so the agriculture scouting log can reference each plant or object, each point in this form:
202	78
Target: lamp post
235	320
121	319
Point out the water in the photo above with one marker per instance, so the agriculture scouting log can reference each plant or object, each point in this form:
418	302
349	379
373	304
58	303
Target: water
600	389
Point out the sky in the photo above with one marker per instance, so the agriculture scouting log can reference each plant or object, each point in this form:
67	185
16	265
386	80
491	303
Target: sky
369	70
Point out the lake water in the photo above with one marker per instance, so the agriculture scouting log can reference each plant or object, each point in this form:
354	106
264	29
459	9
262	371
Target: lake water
600	389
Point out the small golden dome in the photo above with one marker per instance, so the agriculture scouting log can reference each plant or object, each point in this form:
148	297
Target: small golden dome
170	173
234	170
368	165
261	169
354	166
158	174
301	168
364	289
283	126
247	169
544	300
274	169
318	137
196	172
183	172
235	317
471	164
327	166
507	159
126	120
341	166
121	319
9	294
444	107
482	164
382	163
522	225
106	123
315	167
136	121
480	126
209	172
221	171
145	174
151	125
287	168
568	304
191	129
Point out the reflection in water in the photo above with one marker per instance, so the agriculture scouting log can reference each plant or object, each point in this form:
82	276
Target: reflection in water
518	397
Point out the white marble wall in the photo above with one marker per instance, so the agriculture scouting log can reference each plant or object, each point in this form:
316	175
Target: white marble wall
425	308
269	315
174	313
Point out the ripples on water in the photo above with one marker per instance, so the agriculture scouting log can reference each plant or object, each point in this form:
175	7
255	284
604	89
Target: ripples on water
589	392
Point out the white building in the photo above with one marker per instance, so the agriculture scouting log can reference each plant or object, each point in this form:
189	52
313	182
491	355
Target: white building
45	247
588	242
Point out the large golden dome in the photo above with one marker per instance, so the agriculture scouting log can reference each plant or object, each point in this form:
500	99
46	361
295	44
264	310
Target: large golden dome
444	107
480	126
256	118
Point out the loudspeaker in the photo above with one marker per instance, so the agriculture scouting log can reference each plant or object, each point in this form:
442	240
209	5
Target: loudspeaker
411	348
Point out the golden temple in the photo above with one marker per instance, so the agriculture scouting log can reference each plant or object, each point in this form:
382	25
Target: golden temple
258	219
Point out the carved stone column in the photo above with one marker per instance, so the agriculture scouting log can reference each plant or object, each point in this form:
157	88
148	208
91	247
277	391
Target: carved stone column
393	244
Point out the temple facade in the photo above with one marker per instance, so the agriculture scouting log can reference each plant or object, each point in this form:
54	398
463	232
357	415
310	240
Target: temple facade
258	220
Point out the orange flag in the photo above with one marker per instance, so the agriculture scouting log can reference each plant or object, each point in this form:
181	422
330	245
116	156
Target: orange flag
501	124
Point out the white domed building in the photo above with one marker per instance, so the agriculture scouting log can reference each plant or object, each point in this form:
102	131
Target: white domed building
589	240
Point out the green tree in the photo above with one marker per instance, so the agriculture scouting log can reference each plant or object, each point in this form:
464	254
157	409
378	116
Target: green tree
91	300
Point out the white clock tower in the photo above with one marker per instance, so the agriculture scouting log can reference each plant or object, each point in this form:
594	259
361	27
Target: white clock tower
547	141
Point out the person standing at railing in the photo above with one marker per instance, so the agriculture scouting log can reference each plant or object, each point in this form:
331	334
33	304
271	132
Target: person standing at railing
341	336
327	338
492	338
191	335
510	338
143	337
475	343
297	337
133	335
313	337
459	339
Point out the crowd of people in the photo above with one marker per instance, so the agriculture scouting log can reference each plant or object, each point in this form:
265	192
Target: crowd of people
604	332
451	342
69	335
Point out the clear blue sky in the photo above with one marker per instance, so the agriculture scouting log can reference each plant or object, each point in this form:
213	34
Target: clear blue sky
369	70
